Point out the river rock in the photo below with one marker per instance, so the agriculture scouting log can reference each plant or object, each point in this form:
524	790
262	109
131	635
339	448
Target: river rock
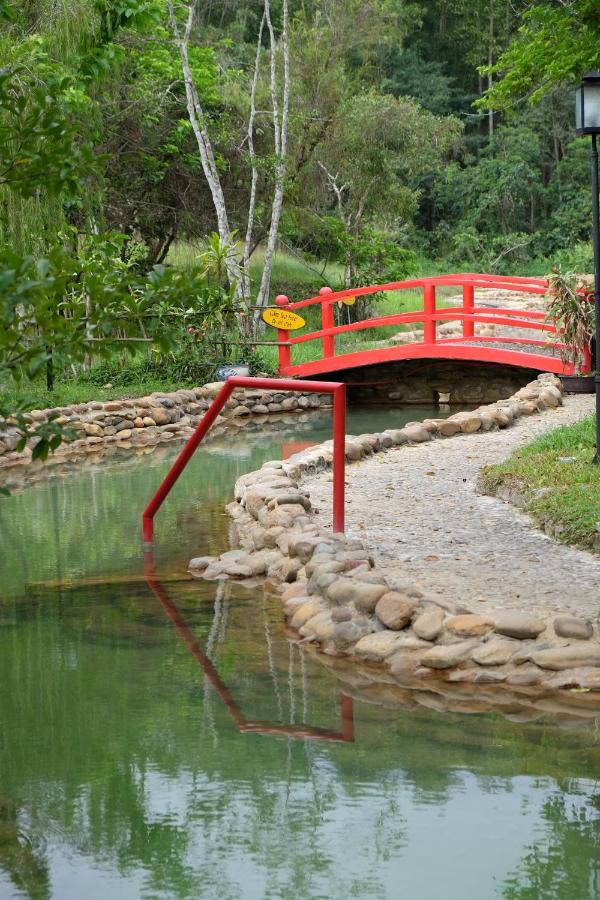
341	614
363	595
319	582
305	612
469	625
518	625
526	677
448	656
416	433
550	399
397	436
345	634
303	547
294	590
377	646
201	562
494	653
236	569
92	429
572	627
571	657
395	610
468	422
159	415
448	427
319	627
429	623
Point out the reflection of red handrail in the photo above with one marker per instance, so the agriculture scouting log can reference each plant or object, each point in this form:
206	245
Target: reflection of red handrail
338	389
244	725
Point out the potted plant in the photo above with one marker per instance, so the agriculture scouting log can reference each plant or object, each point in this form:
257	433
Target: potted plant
571	310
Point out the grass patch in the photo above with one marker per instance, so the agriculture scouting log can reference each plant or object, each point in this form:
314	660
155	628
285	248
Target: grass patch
560	485
66	393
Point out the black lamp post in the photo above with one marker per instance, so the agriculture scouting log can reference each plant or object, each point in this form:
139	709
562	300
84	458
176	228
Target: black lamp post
587	121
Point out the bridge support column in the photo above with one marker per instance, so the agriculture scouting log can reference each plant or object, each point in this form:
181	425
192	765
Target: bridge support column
327	322
429	308
469	308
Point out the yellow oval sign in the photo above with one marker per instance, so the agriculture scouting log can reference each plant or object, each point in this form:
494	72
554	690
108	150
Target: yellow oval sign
283	318
349	301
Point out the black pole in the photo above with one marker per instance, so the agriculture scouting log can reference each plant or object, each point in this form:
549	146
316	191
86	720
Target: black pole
49	370
596	244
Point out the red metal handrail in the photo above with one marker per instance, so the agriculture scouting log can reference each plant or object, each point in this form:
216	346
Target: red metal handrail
336	388
430	315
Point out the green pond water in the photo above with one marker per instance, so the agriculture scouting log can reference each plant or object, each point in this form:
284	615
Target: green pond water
123	769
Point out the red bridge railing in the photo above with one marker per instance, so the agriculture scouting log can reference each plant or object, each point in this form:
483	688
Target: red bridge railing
468	345
336	388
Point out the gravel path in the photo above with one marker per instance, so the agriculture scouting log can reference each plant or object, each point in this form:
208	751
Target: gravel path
416	509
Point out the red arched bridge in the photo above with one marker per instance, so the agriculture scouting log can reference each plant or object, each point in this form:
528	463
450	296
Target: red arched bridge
523	337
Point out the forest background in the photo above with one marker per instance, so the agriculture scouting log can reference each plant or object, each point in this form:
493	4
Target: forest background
165	169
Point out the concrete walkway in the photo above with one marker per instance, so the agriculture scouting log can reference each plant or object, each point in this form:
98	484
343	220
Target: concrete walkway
417	510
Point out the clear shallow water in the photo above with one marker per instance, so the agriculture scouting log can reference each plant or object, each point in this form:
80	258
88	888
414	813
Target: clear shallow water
123	773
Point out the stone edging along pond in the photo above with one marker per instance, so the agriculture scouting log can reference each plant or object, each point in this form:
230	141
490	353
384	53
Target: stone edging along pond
153	419
335	598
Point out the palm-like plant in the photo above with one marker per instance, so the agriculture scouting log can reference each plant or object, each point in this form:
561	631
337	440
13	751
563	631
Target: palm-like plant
571	310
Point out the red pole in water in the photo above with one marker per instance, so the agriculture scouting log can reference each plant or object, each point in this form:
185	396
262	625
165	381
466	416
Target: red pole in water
338	389
339	456
182	460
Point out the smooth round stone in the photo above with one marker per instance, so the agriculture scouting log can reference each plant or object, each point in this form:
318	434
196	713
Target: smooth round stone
572	627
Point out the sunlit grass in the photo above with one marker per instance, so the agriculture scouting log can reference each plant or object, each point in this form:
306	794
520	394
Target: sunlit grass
558	480
287	267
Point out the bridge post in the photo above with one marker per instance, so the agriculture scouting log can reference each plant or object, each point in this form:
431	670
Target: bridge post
327	322
283	336
429	324
468	328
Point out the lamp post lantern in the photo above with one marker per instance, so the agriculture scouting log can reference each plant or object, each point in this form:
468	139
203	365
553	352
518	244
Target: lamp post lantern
587	121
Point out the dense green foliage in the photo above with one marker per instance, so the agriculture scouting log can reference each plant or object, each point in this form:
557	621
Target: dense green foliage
440	130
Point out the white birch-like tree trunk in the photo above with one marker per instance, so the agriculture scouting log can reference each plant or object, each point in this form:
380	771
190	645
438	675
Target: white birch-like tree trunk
198	122
238	264
280	143
245	278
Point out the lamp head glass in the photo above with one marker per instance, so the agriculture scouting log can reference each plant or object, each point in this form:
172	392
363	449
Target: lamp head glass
587	104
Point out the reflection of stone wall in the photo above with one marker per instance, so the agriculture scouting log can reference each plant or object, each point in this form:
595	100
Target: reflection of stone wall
158	417
428	381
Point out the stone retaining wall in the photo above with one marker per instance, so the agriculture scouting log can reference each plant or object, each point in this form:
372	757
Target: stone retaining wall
427	382
334	596
157	417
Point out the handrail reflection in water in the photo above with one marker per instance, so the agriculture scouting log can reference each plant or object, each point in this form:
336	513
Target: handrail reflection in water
244	725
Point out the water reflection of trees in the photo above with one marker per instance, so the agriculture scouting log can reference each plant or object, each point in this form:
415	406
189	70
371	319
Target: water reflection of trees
87	521
564	863
109	740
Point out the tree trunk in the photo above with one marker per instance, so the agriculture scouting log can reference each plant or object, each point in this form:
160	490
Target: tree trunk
490	79
280	140
197	119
